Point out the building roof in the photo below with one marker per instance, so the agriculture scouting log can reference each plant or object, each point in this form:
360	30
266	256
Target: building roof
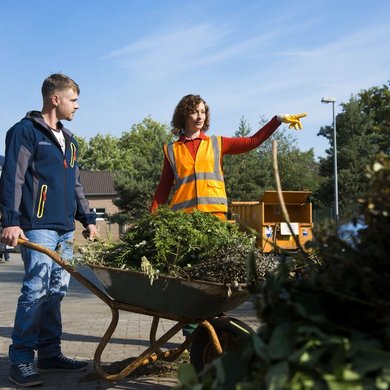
97	182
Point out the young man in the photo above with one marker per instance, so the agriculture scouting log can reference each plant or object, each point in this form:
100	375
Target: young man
40	196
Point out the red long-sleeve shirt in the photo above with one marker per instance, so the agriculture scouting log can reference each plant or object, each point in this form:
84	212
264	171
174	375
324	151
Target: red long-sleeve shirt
230	145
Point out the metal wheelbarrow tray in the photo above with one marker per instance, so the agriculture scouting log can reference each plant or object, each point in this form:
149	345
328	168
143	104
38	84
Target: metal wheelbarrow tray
168	297
190	299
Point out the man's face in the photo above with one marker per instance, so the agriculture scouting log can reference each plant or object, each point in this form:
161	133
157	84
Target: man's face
67	104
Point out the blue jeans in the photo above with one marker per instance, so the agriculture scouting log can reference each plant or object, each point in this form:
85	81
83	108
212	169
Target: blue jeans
38	323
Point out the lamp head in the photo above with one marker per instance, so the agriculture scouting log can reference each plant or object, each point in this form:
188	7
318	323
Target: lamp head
328	99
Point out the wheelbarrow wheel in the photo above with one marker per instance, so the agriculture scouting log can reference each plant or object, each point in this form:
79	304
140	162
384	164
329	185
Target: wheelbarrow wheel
229	332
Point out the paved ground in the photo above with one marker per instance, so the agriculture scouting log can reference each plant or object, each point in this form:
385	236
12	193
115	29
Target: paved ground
85	319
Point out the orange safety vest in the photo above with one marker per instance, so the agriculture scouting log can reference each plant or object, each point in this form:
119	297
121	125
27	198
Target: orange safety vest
198	184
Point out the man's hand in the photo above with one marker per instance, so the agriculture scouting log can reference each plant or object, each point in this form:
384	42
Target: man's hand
293	120
11	234
90	233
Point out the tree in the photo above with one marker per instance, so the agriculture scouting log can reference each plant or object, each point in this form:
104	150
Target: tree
136	186
135	159
376	102
243	128
239	170
362	131
82	147
105	153
298	170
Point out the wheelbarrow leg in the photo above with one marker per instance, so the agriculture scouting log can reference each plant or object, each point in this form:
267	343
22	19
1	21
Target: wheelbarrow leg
103	342
170	354
146	357
153	330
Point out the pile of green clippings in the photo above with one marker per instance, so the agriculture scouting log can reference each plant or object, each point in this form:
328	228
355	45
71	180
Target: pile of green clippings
193	245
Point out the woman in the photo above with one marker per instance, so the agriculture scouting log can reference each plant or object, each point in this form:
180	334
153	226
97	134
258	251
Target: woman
193	163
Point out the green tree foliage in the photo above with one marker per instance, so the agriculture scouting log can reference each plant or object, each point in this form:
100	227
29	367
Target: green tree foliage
135	159
244	128
362	131
376	103
104	153
298	170
240	170
82	147
136	185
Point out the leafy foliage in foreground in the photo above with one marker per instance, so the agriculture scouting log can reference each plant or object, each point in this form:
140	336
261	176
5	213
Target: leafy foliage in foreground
194	245
326	328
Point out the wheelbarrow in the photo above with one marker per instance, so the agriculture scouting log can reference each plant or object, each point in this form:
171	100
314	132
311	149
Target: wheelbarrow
182	301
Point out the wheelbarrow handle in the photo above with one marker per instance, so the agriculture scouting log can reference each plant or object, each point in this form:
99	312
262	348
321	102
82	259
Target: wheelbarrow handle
72	270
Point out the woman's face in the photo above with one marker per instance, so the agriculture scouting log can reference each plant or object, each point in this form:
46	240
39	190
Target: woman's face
195	120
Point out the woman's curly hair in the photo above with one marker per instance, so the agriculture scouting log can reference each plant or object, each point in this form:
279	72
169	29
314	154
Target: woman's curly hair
186	106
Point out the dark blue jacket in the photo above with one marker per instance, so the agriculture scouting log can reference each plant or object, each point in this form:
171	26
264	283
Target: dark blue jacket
40	186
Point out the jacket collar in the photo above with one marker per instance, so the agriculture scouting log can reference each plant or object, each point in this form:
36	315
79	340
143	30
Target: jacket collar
36	117
201	136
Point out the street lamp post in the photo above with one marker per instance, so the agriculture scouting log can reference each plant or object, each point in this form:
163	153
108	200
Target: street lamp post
336	190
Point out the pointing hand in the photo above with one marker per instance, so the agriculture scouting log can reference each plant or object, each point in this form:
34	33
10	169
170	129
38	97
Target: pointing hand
293	120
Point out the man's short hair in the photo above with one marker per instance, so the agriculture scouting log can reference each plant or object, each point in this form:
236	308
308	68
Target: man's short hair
58	82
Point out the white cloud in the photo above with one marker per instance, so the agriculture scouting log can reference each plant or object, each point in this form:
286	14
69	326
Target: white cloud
168	52
188	40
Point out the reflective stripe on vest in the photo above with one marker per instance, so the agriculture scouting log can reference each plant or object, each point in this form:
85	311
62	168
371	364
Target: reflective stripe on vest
198	184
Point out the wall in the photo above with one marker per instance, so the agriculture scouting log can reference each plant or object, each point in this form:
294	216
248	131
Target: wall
105	229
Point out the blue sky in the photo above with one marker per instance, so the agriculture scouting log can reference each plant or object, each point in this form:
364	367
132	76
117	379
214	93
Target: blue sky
135	58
